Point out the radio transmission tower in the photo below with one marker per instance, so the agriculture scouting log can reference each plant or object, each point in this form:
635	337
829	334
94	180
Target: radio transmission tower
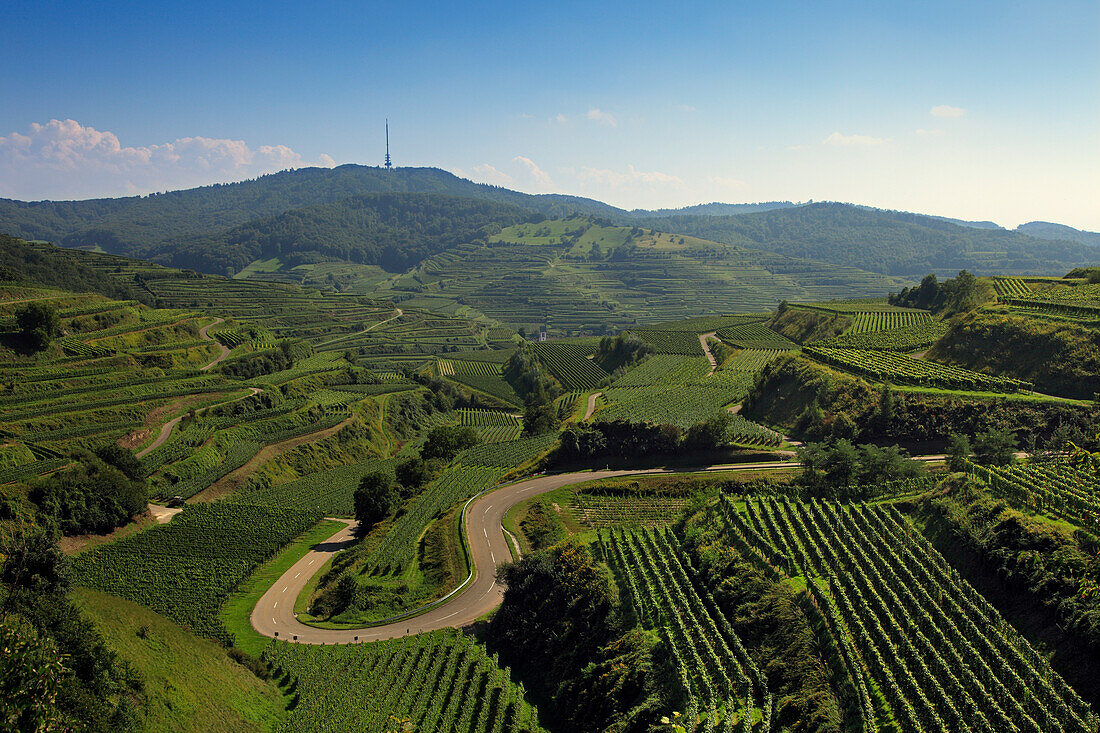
389	164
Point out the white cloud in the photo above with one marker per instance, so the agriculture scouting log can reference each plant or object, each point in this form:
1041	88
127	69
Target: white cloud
486	173
324	160
921	132
631	175
726	182
946	110
855	140
64	159
559	119
604	118
684	108
533	171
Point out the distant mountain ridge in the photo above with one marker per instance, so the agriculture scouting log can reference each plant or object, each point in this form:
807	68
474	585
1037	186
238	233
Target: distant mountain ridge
1048	230
716	209
132	225
216	228
888	242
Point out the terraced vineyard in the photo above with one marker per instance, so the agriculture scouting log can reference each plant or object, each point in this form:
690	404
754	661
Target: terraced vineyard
684	343
1011	287
1057	490
329	492
442	681
886	320
493	426
472	472
756	336
679	390
723	682
920	335
939	655
601	512
888	366
750	360
449	368
185	570
571	364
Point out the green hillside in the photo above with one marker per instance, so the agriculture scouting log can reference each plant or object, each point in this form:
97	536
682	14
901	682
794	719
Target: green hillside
394	231
130	225
579	276
889	242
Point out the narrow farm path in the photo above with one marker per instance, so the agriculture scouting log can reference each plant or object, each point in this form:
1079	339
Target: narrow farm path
591	404
205	336
164	514
235	479
167	428
369	328
706	349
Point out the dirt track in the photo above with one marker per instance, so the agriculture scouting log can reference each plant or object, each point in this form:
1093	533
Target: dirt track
205	336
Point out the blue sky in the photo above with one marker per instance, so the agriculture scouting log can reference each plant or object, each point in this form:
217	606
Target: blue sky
974	110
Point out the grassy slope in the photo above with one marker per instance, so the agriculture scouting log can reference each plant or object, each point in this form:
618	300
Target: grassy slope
190	683
1060	358
237	610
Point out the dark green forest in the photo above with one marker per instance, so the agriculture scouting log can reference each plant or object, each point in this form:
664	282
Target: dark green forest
888	242
395	231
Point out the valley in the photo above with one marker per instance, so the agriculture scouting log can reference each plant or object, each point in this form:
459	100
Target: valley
546	474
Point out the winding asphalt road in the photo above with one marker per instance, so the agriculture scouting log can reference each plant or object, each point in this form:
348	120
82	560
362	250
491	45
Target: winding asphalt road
274	615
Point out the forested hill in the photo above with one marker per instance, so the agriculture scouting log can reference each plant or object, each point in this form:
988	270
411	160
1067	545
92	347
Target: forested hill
215	227
135	224
40	264
395	231
715	209
1047	230
887	242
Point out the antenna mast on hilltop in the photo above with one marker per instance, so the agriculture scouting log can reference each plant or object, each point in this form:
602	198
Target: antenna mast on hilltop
388	163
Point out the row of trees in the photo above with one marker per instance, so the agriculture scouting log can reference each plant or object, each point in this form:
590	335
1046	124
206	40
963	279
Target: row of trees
959	294
626	439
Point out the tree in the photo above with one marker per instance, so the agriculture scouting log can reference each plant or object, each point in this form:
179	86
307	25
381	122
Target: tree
710	434
38	324
958	451
413	473
539	418
843	427
446	441
373	500
885	407
995	447
31	674
842	465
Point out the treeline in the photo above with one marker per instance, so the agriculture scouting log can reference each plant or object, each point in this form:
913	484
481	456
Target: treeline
44	264
561	631
618	353
392	230
103	490
627	439
955	295
818	403
268	361
1043	579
